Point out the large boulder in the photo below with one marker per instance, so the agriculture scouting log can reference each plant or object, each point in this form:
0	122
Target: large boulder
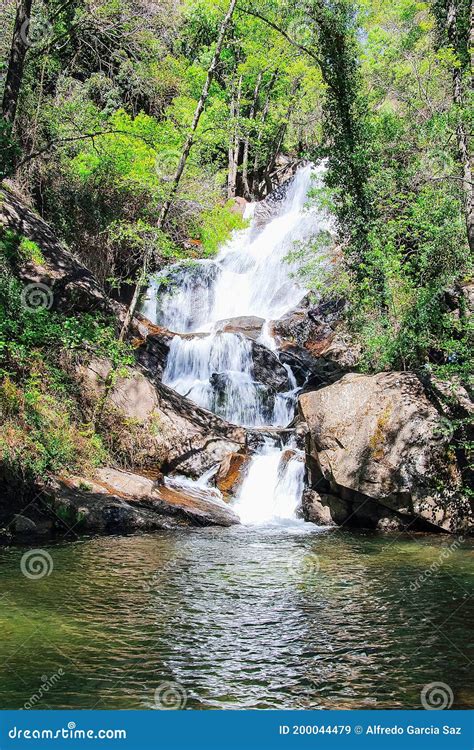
57	279
156	425
116	501
377	443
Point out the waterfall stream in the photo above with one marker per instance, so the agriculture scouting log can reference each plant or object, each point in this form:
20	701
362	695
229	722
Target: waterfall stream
249	278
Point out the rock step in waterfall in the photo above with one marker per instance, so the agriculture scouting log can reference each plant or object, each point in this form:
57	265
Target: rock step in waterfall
215	365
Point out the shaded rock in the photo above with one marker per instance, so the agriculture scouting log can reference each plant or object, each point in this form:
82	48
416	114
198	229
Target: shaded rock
248	325
23	525
275	187
116	501
375	442
152	346
164	428
5	537
267	369
312	340
317	510
230	473
67	283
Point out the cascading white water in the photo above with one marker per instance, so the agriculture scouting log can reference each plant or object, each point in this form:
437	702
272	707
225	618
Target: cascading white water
215	372
272	488
250	276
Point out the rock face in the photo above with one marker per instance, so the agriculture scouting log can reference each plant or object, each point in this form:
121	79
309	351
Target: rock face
116	501
311	340
268	370
230	473
377	451
164	428
69	284
248	325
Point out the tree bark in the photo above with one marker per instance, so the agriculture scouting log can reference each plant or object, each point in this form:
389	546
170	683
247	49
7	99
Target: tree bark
245	157
461	132
16	61
263	119
180	168
234	141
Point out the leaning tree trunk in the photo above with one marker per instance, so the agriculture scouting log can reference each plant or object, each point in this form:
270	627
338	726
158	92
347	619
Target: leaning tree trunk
16	61
462	136
180	168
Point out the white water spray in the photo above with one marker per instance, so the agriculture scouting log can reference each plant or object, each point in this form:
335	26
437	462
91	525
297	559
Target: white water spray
271	491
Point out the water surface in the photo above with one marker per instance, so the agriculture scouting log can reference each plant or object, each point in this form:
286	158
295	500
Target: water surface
265	618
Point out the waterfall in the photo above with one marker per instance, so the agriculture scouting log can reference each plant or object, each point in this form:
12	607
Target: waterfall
271	491
249	277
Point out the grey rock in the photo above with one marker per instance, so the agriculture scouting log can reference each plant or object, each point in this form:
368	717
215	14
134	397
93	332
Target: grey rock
375	443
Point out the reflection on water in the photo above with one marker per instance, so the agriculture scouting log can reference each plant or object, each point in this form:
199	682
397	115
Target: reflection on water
240	618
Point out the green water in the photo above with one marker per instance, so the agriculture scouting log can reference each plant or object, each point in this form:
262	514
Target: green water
239	618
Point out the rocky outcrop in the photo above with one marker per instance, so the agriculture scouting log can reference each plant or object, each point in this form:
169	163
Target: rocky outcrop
312	340
268	370
60	280
378	452
162	428
116	501
248	325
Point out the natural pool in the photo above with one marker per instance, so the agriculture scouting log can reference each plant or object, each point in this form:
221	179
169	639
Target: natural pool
246	617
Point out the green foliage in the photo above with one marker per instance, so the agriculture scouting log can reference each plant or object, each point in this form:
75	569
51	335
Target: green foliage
41	424
217	226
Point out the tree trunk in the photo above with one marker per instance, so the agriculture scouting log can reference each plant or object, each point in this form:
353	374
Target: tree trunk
282	132
245	158
263	119
16	62
461	132
234	141
180	168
